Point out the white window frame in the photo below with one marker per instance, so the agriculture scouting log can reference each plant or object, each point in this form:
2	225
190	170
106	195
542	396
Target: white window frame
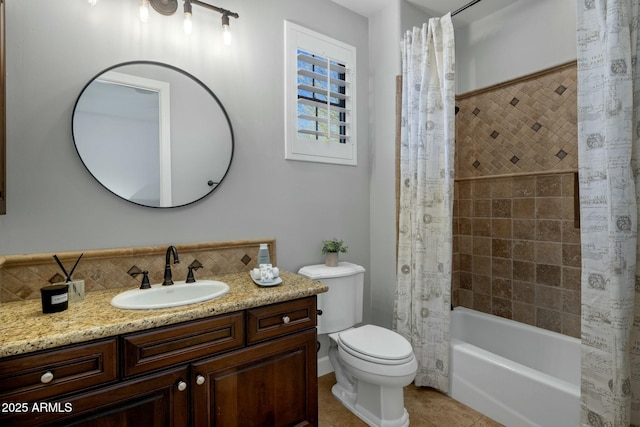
318	150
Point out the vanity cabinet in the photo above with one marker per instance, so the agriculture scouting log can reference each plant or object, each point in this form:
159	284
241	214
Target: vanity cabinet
255	367
272	382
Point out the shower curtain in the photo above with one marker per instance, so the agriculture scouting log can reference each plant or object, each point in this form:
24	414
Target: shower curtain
423	294
608	131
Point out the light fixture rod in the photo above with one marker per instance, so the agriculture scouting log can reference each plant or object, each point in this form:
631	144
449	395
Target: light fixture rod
224	12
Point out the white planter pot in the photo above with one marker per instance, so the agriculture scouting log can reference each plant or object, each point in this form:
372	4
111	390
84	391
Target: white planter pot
331	259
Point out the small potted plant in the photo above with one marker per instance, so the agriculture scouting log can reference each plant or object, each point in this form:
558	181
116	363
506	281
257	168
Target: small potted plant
331	249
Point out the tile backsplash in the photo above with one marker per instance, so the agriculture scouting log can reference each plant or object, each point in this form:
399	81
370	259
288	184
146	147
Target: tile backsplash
22	276
516	217
528	125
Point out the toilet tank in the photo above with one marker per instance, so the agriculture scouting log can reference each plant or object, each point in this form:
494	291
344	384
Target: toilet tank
342	305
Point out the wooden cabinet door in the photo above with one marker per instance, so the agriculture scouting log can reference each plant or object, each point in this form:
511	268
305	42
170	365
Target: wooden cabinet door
151	401
269	384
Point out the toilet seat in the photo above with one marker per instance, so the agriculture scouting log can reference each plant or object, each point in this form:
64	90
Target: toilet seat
376	345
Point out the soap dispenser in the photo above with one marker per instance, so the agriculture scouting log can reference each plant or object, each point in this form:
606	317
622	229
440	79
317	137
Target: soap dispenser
263	254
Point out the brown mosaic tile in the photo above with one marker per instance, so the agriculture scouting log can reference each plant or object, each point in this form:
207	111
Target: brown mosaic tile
571	278
523	242
466	244
523	292
466	298
548	253
481	285
525	121
549	186
482	265
523	250
549	230
481	227
465	261
466	280
501	288
548	274
549	207
501	248
501	188
525	313
571	325
482	189
482	208
571	255
549	297
524	229
524	271
524	186
465	208
482	302
464	189
548	319
524	207
501	267
501	208
501	307
570	301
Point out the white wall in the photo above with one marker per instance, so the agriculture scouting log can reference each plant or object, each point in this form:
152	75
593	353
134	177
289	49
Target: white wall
53	204
523	38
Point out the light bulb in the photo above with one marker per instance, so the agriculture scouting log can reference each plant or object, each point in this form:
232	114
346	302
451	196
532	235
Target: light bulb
144	11
188	24
226	35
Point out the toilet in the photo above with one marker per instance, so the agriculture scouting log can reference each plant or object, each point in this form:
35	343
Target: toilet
371	364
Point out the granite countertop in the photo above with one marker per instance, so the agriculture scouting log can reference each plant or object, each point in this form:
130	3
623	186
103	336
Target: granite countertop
24	328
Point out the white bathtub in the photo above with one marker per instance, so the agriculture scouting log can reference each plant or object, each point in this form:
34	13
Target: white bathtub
516	374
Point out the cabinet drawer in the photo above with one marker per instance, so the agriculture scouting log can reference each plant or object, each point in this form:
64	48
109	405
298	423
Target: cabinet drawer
171	345
280	319
55	372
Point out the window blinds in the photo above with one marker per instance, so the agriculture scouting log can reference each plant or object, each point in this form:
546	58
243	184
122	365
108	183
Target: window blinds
324	98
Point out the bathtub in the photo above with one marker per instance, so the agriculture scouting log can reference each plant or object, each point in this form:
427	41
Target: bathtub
516	374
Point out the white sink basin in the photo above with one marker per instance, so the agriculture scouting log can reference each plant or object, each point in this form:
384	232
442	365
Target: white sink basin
180	293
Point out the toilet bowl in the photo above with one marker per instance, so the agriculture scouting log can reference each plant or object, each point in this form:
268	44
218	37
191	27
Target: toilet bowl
371	364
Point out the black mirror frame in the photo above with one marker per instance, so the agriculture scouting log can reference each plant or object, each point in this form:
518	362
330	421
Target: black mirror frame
192	77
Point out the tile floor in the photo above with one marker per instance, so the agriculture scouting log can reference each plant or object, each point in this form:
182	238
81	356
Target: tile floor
427	408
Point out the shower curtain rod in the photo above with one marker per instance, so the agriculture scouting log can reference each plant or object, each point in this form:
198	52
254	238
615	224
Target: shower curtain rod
466	6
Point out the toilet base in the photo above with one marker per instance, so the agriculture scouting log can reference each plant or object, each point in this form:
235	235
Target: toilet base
348	399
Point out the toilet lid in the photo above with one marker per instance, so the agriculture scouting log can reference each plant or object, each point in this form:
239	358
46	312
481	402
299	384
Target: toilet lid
376	344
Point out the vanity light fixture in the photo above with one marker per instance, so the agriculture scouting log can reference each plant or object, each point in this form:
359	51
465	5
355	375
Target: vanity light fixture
169	7
144	10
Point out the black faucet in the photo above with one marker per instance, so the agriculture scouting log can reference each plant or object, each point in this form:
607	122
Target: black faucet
167	267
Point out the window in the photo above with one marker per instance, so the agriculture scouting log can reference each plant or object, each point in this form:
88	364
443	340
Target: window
319	98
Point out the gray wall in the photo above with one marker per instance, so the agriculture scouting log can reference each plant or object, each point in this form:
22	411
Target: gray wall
523	38
55	47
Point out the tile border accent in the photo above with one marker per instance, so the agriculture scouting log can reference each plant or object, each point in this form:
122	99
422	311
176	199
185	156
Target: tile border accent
22	276
520	79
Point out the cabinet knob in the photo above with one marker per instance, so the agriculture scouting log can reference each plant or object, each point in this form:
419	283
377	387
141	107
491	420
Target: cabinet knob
286	319
46	377
199	380
182	386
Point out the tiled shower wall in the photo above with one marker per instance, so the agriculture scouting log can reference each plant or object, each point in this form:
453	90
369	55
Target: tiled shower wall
516	220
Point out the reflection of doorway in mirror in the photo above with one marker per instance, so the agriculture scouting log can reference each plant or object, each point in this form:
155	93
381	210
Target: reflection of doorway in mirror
138	110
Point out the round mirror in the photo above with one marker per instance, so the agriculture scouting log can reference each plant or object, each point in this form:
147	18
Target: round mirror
152	134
